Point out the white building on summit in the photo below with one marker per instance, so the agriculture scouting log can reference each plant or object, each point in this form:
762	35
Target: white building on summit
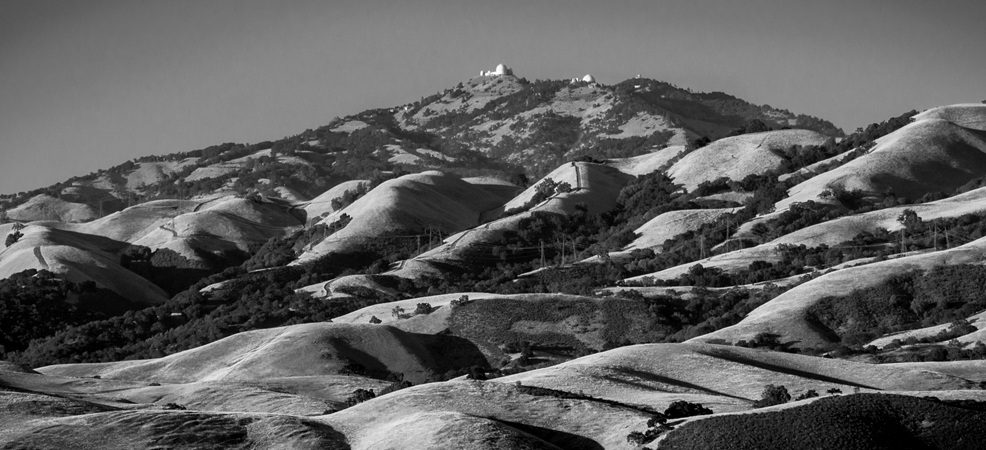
586	79
499	71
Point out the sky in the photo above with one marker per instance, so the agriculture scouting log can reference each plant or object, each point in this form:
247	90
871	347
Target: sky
88	85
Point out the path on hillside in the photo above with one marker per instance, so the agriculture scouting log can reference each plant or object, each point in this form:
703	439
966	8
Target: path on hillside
173	232
578	176
41	258
456	241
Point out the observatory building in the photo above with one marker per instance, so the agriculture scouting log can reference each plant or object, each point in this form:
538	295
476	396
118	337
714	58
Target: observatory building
586	79
499	71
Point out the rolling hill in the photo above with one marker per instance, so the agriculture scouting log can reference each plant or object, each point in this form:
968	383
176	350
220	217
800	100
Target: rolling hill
354	284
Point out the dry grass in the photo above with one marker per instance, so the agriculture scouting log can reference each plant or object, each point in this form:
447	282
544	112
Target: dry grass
575	423
785	314
721	377
41	207
298	350
739	156
409	203
78	257
670	224
928	155
645	164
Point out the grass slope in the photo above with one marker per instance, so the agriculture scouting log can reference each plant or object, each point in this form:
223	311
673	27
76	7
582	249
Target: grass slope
785	314
297	350
78	257
723	378
410	203
928	155
739	156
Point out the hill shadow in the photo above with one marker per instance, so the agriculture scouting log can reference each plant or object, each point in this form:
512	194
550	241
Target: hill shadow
561	439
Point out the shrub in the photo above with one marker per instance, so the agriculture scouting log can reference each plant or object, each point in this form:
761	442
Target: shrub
810	393
13	238
359	396
682	408
772	395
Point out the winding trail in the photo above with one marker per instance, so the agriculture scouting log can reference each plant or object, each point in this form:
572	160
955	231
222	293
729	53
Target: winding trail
41	258
173	232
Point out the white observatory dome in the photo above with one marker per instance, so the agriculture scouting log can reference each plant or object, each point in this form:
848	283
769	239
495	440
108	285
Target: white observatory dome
500	69
588	79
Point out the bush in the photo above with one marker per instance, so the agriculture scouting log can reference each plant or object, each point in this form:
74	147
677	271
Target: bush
682	408
359	396
772	395
13	238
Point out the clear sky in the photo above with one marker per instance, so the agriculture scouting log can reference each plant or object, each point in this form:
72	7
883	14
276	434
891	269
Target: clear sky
89	84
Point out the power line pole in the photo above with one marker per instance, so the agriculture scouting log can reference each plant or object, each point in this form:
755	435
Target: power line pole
542	254
936	236
728	223
562	253
701	243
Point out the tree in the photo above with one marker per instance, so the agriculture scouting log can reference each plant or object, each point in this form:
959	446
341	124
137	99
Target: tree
682	408
13	238
398	313
910	220
701	142
756	126
912	224
810	393
374	319
772	395
423	308
359	396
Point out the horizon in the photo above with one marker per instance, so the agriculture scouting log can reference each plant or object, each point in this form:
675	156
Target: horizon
89	86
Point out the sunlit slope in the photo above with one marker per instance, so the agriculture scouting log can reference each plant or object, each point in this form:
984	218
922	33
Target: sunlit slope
134	222
409	204
656	231
565	423
443	430
78	257
836	231
647	163
594	186
278	396
297	350
785	315
739	156
976	320
965	115
724	378
928	155
46	422
221	225
322	204
45	207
